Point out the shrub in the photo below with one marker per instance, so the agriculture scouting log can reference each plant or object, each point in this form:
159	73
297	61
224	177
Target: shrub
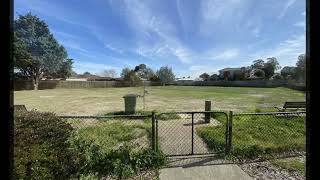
276	76
259	73
41	147
121	163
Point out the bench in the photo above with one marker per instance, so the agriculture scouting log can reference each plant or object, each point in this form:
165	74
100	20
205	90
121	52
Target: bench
292	105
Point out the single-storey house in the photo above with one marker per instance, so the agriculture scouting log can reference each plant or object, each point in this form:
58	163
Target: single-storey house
229	72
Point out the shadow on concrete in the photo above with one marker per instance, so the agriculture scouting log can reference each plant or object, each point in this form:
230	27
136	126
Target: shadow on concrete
196	161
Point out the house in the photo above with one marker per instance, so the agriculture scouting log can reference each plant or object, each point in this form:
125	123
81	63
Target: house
188	79
229	72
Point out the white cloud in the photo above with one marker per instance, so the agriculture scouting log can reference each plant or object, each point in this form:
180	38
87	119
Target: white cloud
73	45
286	52
81	67
300	24
228	54
111	47
286	7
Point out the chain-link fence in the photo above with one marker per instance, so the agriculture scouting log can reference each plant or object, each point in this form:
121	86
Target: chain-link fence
112	132
179	133
263	135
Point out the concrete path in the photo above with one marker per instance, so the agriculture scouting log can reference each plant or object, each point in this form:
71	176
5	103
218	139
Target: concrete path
175	136
202	167
219	172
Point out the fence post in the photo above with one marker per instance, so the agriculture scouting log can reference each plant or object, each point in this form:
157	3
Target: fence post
230	131
153	138
227	136
192	135
207	108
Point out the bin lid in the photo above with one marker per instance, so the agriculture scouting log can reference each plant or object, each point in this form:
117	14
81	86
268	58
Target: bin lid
131	95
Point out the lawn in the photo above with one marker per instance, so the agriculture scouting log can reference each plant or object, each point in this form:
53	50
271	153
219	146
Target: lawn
258	136
109	134
291	164
97	101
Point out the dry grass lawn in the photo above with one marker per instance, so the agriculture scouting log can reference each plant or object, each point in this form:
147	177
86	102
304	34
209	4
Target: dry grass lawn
95	101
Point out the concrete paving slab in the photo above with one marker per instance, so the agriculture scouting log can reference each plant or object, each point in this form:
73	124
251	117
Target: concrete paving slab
219	172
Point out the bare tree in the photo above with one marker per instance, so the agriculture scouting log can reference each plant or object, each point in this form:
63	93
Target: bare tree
109	73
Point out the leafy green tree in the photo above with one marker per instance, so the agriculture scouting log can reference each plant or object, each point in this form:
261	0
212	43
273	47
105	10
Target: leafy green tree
124	72
65	70
301	67
144	72
259	73
277	76
214	77
257	64
270	67
205	76
239	74
154	78
165	74
288	71
36	51
132	77
87	73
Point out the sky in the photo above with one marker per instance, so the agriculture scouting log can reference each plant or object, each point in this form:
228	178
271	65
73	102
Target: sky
191	36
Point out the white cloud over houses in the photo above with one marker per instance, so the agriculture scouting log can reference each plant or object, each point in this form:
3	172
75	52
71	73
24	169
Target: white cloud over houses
286	51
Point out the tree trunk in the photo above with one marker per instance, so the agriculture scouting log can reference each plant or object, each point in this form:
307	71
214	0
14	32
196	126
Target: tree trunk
35	83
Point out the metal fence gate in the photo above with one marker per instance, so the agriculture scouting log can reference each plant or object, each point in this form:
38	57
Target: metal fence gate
178	133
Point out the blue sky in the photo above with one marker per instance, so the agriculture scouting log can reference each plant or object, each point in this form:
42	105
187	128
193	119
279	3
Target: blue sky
191	36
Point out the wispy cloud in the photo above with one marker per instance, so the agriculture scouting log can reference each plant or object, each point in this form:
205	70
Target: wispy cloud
286	52
285	8
300	24
112	48
81	67
228	54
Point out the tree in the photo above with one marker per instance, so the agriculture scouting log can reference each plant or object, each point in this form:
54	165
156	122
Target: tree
226	75
205	76
239	74
277	76
154	78
124	72
87	74
36	51
288	72
259	73
132	77
270	67
144	72
214	77
301	67
257	64
109	73
165	74
73	73
66	69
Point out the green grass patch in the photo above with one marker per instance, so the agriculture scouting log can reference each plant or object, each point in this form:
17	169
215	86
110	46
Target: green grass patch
116	148
291	164
111	133
255	136
160	116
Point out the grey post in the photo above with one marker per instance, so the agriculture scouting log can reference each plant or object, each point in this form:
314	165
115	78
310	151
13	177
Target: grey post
153	131
230	131
207	108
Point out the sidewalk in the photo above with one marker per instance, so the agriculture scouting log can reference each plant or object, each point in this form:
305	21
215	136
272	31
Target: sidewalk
202	168
219	172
